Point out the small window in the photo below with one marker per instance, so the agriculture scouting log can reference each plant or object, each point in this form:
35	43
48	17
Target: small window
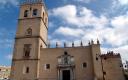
105	58
47	66
65	53
104	73
97	58
27	49
26	13
0	69
35	11
84	65
27	69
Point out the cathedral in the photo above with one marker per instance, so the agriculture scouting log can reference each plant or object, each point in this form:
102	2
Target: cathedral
33	59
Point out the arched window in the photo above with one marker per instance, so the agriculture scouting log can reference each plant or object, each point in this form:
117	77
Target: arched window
26	13
35	12
29	32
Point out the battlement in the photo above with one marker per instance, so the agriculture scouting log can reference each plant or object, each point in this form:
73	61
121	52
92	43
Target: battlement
31	2
71	44
111	54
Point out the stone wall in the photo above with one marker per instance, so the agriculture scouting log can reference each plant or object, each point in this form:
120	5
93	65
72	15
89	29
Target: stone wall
112	66
81	55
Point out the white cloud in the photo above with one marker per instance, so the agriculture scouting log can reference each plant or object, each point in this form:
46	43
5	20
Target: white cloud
119	3
117	7
120	31
120	21
69	31
64	11
80	17
123	2
115	35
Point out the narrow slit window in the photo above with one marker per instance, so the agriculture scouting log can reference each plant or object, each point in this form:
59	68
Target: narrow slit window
27	69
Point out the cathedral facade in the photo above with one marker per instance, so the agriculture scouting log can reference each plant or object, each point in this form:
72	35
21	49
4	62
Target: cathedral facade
34	60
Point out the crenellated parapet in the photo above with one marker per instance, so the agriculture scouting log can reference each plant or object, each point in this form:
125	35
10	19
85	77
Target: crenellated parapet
71	44
110	54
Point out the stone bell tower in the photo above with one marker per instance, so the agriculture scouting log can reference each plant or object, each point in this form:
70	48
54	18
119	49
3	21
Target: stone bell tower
31	35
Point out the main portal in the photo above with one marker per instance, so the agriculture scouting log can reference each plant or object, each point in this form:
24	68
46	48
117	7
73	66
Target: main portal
66	74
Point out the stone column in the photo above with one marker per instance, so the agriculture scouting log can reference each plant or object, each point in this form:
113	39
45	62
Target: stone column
59	74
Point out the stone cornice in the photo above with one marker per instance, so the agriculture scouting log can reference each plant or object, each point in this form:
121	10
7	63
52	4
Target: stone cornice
34	18
23	37
24	59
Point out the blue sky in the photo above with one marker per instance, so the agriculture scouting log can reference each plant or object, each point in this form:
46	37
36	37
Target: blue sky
72	20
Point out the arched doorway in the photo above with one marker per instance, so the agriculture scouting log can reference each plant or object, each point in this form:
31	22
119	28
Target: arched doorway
66	67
